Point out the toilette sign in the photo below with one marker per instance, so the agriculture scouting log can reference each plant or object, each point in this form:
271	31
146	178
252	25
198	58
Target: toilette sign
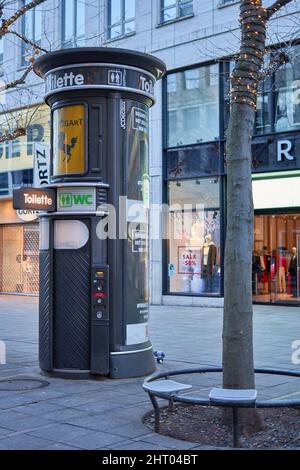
34	199
107	76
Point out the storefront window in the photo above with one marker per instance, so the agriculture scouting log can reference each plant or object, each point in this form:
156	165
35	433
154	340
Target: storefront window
287	93
194	237
22	177
275	262
18	154
4	189
193	106
263	115
19	258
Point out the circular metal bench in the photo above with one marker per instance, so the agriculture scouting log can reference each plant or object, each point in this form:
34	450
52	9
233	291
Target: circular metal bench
172	391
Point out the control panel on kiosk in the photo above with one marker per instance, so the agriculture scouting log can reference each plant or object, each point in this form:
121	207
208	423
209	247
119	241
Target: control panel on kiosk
100	293
100	320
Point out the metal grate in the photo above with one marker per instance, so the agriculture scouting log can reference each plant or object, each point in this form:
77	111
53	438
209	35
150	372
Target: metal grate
19	259
22	384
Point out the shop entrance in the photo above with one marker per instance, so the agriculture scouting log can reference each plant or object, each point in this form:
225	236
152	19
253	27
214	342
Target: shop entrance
19	259
276	258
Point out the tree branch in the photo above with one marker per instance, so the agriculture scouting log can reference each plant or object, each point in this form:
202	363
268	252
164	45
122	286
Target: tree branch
276	6
18	132
35	45
6	23
18	81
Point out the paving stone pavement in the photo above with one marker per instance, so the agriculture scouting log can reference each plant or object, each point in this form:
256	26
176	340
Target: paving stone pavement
106	414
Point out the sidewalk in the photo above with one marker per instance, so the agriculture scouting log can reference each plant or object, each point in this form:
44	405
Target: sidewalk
107	414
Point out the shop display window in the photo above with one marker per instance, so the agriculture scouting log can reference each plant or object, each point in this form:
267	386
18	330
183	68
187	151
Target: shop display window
194	265
275	262
19	258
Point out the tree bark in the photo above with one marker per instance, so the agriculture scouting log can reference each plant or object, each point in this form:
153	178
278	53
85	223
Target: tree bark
238	362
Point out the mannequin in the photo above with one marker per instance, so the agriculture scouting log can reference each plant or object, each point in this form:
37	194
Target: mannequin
293	271
281	271
208	262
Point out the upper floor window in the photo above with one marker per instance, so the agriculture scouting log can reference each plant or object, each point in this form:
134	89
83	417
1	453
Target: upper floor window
31	29
172	9
226	2
4	184
287	93
1	50
73	21
193	106
121	18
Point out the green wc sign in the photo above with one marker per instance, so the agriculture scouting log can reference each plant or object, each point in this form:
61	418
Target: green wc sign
76	199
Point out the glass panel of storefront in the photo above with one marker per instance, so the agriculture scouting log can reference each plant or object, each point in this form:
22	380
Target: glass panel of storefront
275	264
19	259
194	237
193	106
287	93
17	155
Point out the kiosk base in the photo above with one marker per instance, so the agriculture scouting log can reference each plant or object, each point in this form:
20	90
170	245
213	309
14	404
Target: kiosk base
69	374
123	365
127	364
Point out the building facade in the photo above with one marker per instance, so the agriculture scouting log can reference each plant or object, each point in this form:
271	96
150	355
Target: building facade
198	41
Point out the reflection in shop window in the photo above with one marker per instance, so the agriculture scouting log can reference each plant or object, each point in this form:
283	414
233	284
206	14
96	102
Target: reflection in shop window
262	118
287	93
19	258
4	189
194	237
275	261
192	79
193	111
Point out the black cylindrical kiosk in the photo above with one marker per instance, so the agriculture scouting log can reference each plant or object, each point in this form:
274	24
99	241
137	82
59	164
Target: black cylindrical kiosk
94	249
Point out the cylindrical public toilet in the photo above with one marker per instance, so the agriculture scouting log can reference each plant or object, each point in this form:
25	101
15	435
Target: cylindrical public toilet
94	250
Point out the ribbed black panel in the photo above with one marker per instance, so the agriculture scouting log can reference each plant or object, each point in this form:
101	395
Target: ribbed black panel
45	312
101	195
72	309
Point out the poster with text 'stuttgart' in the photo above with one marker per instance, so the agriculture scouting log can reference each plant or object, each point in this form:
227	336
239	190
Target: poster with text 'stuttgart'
69	140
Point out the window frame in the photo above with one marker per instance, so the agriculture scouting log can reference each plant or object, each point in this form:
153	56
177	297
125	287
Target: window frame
166	290
177	4
219	103
38	41
2	53
72	41
227	3
122	21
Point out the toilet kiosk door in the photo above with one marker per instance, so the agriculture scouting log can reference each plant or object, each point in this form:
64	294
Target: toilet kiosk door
71	299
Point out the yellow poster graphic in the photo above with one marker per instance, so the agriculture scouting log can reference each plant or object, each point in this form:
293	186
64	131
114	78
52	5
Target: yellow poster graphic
69	140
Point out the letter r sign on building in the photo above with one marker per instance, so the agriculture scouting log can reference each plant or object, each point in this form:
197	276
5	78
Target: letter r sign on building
284	148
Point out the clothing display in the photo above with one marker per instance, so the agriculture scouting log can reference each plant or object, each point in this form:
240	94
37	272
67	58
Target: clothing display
282	265
275	267
282	280
208	262
293	271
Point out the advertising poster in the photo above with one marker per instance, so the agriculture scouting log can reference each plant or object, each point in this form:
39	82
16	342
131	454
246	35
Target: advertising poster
69	140
189	260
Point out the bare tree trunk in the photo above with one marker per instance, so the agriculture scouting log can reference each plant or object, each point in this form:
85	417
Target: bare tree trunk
237	326
238	363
